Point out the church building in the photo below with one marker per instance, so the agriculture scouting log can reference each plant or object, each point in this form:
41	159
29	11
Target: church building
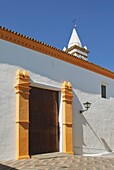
53	100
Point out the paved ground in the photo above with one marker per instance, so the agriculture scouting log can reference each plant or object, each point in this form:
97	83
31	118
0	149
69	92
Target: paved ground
61	162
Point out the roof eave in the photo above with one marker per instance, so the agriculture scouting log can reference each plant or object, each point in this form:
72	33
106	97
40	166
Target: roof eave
33	44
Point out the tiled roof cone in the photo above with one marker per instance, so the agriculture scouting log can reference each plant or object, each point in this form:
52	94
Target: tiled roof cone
74	40
75	46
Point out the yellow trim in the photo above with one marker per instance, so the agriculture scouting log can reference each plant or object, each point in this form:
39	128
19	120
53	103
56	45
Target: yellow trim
24	157
67	117
53	52
22	114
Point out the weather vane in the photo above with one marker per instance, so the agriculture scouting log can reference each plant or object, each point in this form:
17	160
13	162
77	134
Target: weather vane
74	23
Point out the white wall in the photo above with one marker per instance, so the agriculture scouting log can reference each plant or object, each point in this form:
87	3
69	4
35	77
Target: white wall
93	131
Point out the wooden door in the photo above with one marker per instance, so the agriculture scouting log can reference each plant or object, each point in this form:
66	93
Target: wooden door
43	129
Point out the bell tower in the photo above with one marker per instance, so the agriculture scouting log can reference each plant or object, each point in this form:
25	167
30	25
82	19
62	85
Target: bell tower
75	46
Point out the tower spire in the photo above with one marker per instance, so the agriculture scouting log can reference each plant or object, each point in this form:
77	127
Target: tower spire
75	46
74	40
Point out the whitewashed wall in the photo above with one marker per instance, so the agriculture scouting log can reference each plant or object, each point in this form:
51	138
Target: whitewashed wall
93	131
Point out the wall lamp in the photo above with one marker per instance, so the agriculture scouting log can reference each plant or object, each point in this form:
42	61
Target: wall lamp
87	106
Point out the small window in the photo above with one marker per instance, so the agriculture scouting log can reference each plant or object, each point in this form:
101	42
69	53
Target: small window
103	91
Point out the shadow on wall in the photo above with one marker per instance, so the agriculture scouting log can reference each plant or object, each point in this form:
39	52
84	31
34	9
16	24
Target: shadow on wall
4	167
78	134
78	122
106	145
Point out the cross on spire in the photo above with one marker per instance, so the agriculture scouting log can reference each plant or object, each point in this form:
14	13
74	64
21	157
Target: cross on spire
74	23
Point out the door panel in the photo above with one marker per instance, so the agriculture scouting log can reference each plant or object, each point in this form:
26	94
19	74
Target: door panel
43	130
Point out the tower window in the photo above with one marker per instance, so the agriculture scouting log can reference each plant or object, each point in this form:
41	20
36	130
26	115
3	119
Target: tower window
103	91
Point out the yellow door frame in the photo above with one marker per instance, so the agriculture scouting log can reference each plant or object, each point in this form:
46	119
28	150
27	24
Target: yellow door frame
22	115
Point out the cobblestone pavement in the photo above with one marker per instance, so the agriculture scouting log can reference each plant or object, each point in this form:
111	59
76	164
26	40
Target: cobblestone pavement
59	161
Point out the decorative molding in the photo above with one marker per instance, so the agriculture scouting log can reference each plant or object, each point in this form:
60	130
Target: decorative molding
78	48
67	97
27	42
67	92
75	52
22	114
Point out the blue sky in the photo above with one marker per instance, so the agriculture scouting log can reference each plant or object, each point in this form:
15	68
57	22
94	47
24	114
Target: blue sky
50	21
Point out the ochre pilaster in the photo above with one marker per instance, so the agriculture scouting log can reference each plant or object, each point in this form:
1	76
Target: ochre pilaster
22	114
67	97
